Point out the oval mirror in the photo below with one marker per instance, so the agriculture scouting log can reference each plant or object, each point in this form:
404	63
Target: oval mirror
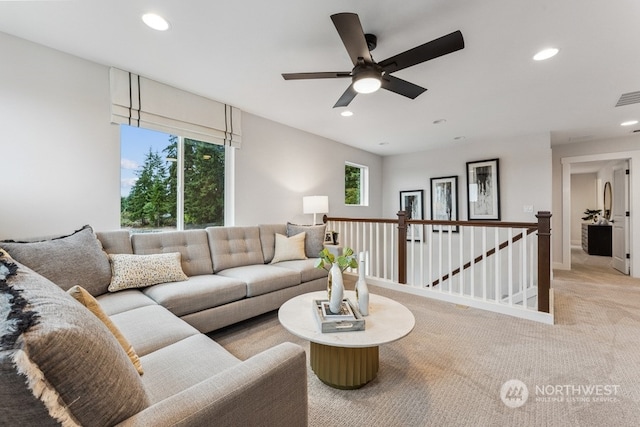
607	201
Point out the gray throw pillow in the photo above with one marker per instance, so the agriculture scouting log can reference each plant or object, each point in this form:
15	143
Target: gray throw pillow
77	259
58	360
314	241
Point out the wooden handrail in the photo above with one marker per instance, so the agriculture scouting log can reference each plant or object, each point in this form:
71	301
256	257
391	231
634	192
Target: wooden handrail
481	257
543	227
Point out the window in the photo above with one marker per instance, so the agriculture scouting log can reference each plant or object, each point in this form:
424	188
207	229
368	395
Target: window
356	184
170	182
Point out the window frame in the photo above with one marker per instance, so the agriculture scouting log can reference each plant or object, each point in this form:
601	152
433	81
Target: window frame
364	183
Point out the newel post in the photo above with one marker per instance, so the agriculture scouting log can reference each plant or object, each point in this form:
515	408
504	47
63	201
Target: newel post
544	260
402	247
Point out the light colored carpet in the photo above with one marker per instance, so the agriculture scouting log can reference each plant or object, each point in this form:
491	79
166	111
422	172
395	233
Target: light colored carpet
449	371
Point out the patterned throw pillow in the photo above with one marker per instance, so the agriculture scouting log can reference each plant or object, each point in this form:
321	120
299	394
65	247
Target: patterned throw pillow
137	271
85	298
289	248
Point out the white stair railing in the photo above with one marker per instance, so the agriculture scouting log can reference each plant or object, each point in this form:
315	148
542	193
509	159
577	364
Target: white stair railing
486	265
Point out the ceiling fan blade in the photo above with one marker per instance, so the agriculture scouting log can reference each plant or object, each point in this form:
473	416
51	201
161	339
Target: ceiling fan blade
346	97
401	87
352	35
430	50
322	75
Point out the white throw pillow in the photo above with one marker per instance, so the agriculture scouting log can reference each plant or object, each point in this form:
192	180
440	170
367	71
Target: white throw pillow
137	271
289	248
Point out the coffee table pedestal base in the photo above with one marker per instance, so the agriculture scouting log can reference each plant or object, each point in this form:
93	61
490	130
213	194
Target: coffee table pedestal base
345	368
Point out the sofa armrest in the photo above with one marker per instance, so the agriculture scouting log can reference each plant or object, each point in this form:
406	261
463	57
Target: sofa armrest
269	388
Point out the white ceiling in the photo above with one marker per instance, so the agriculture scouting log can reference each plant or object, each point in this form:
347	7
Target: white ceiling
235	52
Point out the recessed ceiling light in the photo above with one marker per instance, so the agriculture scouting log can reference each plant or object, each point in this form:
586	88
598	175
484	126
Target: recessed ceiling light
629	123
545	54
346	113
156	22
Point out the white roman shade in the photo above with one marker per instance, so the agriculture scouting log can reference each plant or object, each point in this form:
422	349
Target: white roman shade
142	102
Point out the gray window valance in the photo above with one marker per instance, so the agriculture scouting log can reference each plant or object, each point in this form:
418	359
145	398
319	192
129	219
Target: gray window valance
142	102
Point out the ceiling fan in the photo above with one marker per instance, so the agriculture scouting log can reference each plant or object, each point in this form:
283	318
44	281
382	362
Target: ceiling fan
367	75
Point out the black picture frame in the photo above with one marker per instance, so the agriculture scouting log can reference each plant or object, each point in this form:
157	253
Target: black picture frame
483	190
411	201
444	201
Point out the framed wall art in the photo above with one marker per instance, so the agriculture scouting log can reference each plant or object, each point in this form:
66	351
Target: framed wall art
444	201
483	190
411	202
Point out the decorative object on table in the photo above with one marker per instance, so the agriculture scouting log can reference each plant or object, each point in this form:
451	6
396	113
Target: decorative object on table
483	189
444	201
362	290
338	323
591	215
337	288
331	237
411	203
315	205
338	265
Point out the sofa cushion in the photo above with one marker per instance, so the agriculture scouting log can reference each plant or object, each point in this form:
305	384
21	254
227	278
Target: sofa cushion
306	268
197	293
234	247
77	259
314	241
85	298
114	303
116	241
268	239
262	279
178	366
193	246
65	356
138	271
289	248
152	327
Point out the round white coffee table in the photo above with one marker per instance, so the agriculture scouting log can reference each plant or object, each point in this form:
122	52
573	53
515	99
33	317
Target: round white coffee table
346	360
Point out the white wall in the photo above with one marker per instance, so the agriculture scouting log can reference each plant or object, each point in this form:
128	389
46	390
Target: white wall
60	156
525	174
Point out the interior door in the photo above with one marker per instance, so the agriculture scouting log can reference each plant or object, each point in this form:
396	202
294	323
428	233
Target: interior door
621	219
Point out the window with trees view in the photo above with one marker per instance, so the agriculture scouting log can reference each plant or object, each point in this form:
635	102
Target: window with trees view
170	182
356	184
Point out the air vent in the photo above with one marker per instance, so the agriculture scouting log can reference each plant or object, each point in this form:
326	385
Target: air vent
629	98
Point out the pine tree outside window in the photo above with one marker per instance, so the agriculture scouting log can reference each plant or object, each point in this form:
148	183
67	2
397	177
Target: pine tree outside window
176	183
356	184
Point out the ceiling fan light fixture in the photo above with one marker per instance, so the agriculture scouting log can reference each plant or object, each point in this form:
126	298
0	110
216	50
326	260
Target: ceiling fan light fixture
367	81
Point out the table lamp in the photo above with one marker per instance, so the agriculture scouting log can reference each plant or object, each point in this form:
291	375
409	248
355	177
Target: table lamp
315	205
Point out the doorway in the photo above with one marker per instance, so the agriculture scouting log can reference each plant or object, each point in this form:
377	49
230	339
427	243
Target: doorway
602	167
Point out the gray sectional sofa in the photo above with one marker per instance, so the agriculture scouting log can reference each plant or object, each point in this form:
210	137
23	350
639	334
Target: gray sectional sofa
61	365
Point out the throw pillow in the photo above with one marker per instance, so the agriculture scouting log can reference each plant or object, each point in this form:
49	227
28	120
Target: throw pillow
58	361
85	298
137	271
289	248
314	242
76	259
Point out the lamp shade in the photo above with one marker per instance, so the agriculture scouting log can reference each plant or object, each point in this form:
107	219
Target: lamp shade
315	204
